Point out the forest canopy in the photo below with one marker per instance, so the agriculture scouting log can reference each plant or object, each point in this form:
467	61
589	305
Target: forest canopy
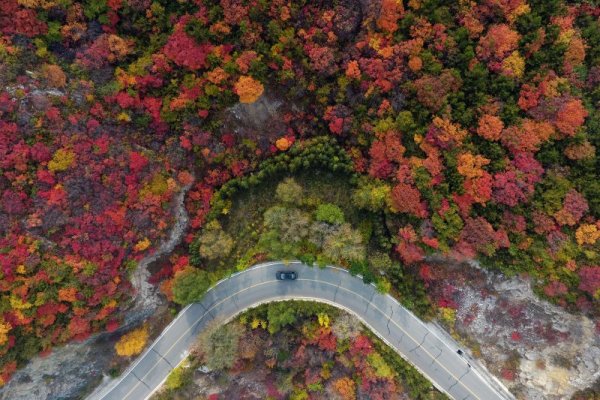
471	129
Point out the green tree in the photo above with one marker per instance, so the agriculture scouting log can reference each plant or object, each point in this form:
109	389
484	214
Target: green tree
380	261
291	224
344	243
371	194
190	285
551	192
449	225
290	192
280	314
330	213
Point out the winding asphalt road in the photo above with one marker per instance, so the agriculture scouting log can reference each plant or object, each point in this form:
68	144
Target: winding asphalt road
434	357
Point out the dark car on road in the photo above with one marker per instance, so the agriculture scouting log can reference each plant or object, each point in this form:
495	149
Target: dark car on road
286	275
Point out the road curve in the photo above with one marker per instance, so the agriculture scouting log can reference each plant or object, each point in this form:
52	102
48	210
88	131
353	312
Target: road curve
415	341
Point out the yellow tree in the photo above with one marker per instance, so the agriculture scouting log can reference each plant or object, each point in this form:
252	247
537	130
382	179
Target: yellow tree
54	75
587	234
5	327
283	144
513	65
346	387
248	89
61	160
470	166
132	343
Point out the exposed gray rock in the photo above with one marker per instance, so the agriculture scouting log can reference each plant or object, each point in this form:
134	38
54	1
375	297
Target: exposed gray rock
61	375
261	121
559	353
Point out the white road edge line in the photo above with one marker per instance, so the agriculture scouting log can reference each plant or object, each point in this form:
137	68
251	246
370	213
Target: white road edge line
309	280
112	385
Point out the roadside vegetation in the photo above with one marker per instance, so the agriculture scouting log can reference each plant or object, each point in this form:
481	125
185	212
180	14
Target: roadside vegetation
296	350
305	205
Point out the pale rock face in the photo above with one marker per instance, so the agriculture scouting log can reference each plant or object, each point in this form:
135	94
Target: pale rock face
549	379
558	352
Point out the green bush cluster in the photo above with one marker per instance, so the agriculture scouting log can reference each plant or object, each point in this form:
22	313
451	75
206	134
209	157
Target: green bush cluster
321	152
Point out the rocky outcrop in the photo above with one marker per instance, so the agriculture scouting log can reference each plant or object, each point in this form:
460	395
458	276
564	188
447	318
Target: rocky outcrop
554	353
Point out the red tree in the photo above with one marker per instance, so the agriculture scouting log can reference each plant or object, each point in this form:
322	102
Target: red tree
497	43
185	52
479	234
407	199
589	279
574	208
570	117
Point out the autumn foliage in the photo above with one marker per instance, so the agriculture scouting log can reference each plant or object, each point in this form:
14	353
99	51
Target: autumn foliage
132	343
346	388
490	127
570	117
471	125
407	199
391	11
498	43
248	89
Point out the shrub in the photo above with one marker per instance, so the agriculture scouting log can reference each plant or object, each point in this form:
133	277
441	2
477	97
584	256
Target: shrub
220	345
382	369
299	394
383	286
290	192
346	327
179	377
330	213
